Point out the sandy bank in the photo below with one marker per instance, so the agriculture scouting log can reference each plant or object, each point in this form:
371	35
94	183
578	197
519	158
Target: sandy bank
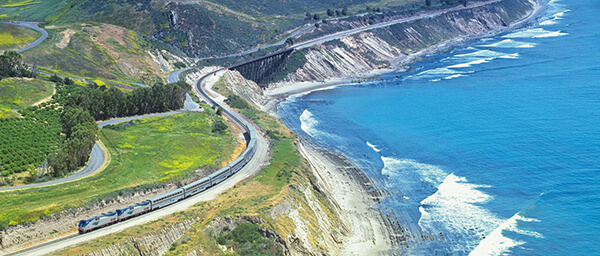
350	192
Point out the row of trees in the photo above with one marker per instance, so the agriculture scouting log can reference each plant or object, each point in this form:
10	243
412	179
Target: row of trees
105	103
330	12
80	132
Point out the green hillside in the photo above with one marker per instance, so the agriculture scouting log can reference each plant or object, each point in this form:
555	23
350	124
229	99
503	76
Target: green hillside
95	51
201	28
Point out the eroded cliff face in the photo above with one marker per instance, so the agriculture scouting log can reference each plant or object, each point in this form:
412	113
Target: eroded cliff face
155	243
381	48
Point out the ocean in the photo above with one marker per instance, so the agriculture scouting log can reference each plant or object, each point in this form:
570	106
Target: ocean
491	148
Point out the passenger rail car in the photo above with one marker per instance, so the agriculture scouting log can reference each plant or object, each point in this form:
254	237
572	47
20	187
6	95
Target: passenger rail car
167	198
196	187
189	190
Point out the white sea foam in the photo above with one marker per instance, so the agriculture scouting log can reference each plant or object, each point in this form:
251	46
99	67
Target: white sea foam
535	33
456	206
394	167
480	54
454	76
509	43
555	18
561	14
468	64
510	56
548	22
438	71
480	57
551	34
496	243
373	147
308	123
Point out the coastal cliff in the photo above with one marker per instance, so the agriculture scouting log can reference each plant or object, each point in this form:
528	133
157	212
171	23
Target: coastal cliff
393	46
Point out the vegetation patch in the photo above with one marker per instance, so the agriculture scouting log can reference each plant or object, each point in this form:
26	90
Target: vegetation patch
17	93
17	3
13	37
98	51
246	239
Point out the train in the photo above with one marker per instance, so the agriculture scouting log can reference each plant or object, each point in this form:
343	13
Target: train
189	190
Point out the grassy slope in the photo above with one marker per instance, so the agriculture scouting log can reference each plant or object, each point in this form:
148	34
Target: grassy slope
95	51
280	180
15	37
155	150
204	28
16	93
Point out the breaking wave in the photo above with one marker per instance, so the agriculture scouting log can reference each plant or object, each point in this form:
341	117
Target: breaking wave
535	33
457	210
308	123
496	243
374	147
509	43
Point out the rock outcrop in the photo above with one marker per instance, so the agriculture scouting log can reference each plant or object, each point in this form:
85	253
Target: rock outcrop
383	47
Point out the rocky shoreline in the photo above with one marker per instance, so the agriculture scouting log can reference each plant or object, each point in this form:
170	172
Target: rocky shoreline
342	179
280	91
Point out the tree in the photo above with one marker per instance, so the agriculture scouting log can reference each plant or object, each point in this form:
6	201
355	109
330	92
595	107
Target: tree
56	79
11	65
308	16
337	13
345	11
219	126
73	117
219	111
330	12
68	81
289	41
428	2
316	17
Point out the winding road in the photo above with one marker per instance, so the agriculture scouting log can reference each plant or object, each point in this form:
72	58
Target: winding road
33	26
254	166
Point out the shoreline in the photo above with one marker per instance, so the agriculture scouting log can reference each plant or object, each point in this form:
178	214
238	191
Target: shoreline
371	231
353	195
280	94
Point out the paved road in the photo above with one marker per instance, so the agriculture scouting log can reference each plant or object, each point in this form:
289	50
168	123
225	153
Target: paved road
254	165
33	26
174	76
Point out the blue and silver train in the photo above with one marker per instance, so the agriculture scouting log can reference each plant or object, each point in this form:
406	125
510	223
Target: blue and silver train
163	200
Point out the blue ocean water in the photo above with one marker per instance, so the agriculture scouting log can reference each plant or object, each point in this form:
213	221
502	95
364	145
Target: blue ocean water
492	148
